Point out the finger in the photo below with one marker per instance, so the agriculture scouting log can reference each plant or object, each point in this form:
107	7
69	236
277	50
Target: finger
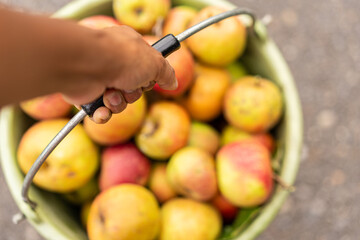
166	77
149	86
114	100
101	115
132	96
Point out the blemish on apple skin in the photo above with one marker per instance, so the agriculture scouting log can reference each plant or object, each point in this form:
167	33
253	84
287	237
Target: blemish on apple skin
45	166
71	174
150	128
101	217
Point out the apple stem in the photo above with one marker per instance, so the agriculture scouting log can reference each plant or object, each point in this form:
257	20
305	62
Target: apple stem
283	185
157	29
258	81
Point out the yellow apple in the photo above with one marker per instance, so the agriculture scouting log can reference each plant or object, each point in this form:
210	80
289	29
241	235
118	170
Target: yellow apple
253	104
121	127
184	219
72	163
205	97
165	130
124	212
219	44
141	15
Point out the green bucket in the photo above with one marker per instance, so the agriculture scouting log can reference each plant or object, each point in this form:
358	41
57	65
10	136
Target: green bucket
54	219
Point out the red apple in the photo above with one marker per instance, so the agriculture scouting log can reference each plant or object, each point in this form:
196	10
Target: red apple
46	107
244	173
183	63
123	164
99	22
227	210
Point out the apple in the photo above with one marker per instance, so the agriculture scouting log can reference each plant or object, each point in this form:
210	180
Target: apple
141	15
244	173
46	107
165	130
227	210
124	212
182	218
99	22
159	184
123	163
237	71
183	64
83	194
219	44
72	163
205	97
84	212
178	19
253	104
191	171
121	127
204	136
232	134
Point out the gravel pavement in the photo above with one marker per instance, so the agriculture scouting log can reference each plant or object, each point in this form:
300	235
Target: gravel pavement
320	42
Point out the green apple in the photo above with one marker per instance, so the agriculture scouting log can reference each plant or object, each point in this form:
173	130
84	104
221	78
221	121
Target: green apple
84	194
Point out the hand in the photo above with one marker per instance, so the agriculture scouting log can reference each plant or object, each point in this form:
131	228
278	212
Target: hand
130	66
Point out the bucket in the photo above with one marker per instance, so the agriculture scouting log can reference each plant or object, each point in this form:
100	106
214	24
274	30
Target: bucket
55	219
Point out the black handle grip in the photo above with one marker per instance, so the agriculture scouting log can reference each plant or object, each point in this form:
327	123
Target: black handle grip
165	46
91	107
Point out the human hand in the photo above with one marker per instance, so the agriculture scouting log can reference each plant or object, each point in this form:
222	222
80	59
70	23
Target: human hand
129	66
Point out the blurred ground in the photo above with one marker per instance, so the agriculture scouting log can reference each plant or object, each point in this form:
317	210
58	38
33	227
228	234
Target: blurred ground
320	41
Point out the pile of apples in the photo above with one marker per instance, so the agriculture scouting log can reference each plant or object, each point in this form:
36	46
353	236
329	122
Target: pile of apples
175	164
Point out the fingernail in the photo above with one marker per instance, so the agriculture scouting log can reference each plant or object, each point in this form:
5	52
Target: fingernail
129	91
115	99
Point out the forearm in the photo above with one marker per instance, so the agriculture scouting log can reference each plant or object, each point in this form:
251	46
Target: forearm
39	55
